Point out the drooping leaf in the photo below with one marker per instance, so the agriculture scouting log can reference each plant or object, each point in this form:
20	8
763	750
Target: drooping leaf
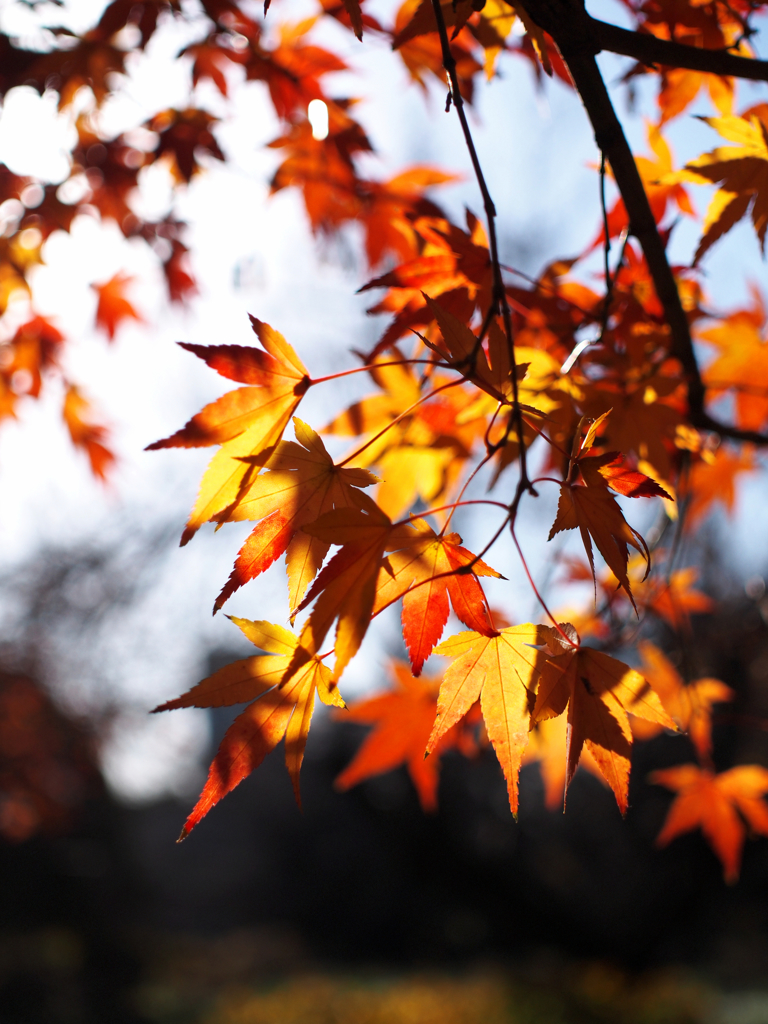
596	513
598	691
598	517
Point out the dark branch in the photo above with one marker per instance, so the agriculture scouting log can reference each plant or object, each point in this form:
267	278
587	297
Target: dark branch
572	30
649	50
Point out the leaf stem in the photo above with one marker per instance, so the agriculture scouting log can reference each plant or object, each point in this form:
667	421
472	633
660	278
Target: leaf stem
373	366
540	599
400	416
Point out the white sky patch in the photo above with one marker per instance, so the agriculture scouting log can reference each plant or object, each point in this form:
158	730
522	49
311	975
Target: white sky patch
35	138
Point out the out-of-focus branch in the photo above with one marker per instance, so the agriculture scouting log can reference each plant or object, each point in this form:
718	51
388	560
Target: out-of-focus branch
648	49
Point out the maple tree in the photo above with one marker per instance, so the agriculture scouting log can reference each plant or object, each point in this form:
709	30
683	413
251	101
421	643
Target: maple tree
490	389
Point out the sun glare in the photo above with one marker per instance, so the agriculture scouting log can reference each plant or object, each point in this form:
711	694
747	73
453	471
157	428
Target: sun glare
317	112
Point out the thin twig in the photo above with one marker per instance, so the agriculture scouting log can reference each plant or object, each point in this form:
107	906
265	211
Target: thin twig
499	300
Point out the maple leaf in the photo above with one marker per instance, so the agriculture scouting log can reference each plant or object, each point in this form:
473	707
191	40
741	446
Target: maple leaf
292	70
713	480
390	209
282	695
34	348
717	804
403	720
178	275
423	453
741	171
690	706
741	365
422	54
346	586
501	672
184	134
547	744
324	169
432	568
210	61
596	513
85	433
113	307
675	599
453	264
301	483
598	691
468	354
247	423
710	26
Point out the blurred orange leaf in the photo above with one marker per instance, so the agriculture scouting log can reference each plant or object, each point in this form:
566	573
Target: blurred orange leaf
113	307
719	805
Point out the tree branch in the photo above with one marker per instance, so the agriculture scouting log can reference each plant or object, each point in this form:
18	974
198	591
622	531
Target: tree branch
572	30
648	49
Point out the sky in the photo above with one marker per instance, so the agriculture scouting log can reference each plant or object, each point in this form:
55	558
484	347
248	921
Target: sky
255	254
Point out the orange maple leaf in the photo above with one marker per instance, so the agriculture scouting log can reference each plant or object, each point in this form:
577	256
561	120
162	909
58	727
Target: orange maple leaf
717	804
598	691
675	599
85	433
595	512
346	586
689	705
422	54
713	480
741	366
247	423
282	690
431	568
403	720
300	483
113	307
501	672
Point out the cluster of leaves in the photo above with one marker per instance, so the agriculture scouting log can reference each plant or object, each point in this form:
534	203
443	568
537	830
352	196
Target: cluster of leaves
480	373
